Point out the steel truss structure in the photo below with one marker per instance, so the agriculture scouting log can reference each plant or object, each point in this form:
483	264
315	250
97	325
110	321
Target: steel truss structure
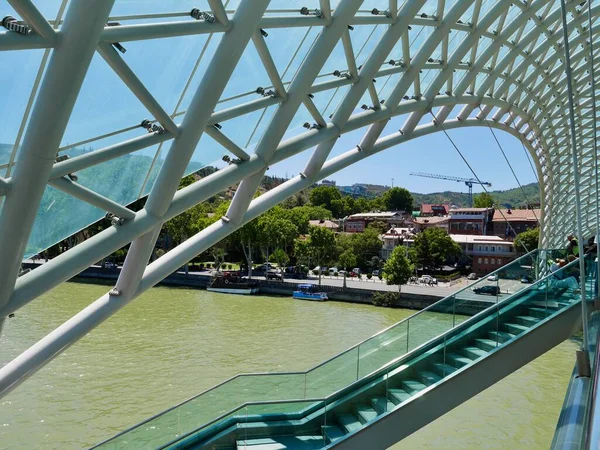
433	64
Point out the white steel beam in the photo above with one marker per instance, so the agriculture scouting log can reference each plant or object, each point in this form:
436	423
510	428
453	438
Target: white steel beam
196	119
66	71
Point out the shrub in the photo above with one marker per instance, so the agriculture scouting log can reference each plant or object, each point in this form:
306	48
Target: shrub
386	299
369	276
229	266
335	273
209	265
201	266
381	274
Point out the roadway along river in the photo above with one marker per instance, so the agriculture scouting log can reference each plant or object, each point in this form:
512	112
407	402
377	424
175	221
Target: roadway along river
173	343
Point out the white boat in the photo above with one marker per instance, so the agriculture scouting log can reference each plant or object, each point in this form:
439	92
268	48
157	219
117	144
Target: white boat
233	285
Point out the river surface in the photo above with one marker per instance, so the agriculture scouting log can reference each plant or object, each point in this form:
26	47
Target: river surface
173	343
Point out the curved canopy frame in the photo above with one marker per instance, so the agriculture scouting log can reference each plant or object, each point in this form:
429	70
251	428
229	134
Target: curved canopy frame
239	78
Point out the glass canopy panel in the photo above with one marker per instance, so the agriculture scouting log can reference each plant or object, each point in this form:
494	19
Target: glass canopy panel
59	216
165	65
48	8
104	105
289	47
15	92
143	7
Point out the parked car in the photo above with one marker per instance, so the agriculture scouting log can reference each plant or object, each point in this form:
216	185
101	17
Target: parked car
356	271
493	277
427	279
490	290
273	275
264	267
341	272
525	279
333	270
376	273
472	276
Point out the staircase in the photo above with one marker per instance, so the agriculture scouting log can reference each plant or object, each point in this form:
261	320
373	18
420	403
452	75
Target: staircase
384	389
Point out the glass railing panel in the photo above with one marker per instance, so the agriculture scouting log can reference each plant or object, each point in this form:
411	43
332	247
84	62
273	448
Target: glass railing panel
346	368
382	349
333	375
431	323
214	403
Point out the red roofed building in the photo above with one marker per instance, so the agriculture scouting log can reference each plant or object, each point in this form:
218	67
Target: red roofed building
520	220
429	210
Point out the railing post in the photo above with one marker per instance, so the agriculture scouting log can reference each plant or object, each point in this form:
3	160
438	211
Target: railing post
583	361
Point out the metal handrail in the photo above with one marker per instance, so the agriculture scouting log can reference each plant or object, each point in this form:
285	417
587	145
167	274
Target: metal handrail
592	436
378	371
330	359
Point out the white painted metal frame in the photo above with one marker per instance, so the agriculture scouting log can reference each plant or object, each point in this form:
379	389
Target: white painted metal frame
504	71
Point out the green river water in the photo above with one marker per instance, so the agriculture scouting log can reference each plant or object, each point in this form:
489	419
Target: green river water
173	343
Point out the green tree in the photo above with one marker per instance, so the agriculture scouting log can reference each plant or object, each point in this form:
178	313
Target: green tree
281	258
325	196
380	226
397	199
365	245
483	200
433	246
398	269
248	237
321	242
302	251
527	240
347	260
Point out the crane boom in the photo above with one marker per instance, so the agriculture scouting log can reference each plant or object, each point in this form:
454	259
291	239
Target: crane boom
451	178
469	182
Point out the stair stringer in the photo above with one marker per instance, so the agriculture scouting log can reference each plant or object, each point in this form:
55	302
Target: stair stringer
459	387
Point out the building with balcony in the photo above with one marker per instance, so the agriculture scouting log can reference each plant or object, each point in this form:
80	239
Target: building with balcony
519	219
487	253
395	237
470	221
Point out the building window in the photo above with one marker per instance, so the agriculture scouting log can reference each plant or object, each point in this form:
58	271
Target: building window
486	248
492	261
479	260
493	249
486	261
479	247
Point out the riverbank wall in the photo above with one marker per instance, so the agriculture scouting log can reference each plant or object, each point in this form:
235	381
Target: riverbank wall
192	280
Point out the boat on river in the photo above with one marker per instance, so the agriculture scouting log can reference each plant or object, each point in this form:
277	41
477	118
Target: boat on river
232	284
309	292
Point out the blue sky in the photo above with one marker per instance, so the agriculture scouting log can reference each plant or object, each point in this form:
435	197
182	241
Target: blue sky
105	104
431	154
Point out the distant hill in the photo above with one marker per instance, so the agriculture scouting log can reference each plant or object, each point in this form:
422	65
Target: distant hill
510	198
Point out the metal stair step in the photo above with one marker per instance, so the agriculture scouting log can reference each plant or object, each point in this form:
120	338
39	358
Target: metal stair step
365	413
515	328
474	352
545	304
501	336
527	321
539	313
281	443
458	360
485	344
429	378
349	423
333	433
398	395
412	386
443	370
382	404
